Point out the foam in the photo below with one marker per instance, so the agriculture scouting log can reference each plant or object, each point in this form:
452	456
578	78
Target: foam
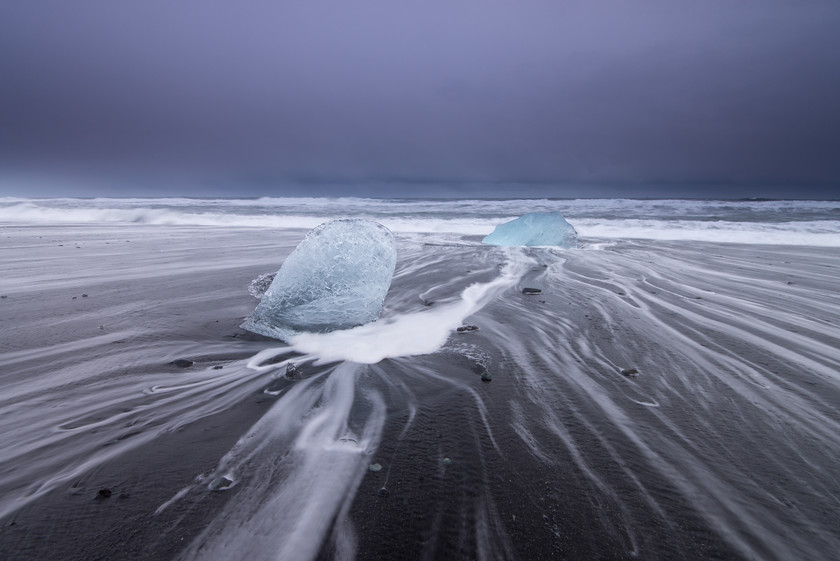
408	334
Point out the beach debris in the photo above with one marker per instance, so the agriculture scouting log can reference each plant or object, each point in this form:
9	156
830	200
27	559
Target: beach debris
336	278
182	363
467	328
220	483
534	229
629	372
218	367
4	296
531	291
375	467
103	493
292	371
486	376
84	295
74	298
447	461
260	284
384	492
101	327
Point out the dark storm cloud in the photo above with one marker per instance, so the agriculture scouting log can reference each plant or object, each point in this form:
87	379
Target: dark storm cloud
621	92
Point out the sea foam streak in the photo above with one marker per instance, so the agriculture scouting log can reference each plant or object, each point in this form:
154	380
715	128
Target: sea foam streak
410	334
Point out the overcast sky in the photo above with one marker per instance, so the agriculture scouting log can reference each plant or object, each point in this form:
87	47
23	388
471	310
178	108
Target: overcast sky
563	98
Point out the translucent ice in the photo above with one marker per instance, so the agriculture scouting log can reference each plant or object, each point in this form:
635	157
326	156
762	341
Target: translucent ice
260	284
535	228
336	278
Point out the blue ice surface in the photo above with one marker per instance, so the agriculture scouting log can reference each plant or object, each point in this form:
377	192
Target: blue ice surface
535	229
336	278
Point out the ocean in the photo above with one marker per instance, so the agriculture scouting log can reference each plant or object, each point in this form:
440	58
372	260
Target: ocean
782	222
670	392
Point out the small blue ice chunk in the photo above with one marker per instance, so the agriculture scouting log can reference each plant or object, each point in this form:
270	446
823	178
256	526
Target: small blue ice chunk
535	229
336	278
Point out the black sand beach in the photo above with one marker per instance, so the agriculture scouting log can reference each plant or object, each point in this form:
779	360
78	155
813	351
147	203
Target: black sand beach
655	400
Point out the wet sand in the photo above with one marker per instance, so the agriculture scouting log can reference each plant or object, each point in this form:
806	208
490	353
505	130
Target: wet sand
722	446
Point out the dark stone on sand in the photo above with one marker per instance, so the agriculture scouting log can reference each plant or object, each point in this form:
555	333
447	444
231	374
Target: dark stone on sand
4	296
182	363
466	328
383	492
104	493
291	371
74	298
629	372
84	295
486	376
218	367
531	290
220	483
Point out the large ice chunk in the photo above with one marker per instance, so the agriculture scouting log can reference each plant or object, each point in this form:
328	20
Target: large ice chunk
534	228
336	278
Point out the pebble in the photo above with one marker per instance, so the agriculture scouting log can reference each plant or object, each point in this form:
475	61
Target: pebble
629	372
375	467
466	328
531	290
104	493
486	376
220	483
181	363
217	367
384	492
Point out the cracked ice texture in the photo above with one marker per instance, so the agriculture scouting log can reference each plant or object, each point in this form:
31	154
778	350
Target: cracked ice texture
336	278
535	229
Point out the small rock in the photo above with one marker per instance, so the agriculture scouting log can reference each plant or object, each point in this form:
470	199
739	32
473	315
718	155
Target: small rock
181	363
104	493
375	467
447	461
101	327
466	328
629	372
220	483
531	290
4	296
84	295
217	367
383	492
74	298
486	376
291	371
